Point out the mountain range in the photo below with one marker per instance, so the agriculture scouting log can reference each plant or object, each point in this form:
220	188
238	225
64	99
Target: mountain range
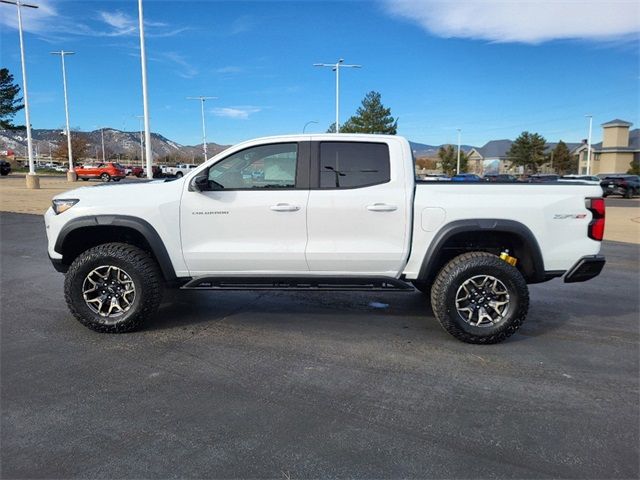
118	142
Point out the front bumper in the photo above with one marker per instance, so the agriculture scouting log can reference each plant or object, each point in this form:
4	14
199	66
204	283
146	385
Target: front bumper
585	269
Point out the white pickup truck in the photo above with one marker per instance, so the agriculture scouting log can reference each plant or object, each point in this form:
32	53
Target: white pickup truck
319	213
179	171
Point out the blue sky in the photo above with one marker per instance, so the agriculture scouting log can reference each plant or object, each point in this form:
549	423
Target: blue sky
491	68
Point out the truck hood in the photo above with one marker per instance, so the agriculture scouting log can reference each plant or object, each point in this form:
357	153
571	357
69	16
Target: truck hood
111	191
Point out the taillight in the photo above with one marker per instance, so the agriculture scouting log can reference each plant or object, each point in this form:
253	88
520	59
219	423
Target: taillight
596	226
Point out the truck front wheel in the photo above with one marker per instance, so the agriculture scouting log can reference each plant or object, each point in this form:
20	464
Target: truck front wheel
479	298
113	287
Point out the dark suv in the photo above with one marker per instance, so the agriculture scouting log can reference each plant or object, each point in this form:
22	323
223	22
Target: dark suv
625	185
5	168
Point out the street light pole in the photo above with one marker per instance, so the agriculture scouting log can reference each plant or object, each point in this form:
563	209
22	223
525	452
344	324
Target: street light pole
204	126
589	145
140	117
32	179
336	68
458	163
307	124
71	175
102	137
145	100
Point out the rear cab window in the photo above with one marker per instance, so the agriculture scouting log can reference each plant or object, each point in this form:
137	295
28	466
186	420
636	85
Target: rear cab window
353	164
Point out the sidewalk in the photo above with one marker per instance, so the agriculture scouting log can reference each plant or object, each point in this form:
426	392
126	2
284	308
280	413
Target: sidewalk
622	223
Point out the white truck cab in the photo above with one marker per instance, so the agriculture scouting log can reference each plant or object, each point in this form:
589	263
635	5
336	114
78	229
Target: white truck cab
323	212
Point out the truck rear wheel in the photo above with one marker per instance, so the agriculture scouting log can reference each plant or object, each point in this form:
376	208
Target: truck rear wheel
113	288
479	298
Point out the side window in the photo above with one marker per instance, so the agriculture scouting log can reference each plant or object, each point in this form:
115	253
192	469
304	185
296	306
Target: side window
265	166
353	165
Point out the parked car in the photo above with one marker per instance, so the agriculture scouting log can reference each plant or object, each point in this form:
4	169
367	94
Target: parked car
543	177
179	170
583	179
134	171
625	185
102	171
5	168
435	177
466	177
341	212
500	178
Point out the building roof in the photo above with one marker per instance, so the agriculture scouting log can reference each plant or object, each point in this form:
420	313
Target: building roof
495	149
617	123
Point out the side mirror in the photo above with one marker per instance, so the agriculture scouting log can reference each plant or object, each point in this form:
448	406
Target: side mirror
200	183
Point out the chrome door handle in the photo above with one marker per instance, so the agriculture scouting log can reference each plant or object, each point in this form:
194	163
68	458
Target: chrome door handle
381	207
284	207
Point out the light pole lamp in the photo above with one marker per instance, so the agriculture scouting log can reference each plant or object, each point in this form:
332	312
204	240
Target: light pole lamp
336	68
71	175
204	126
32	179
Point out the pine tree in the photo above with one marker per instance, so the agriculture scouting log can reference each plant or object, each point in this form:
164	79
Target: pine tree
528	151
448	156
371	117
10	103
563	161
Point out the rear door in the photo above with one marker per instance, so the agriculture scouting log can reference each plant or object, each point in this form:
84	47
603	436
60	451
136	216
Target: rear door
253	221
357	212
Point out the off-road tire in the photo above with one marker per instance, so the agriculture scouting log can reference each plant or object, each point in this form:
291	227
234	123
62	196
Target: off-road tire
628	193
179	175
422	287
142	269
462	268
105	177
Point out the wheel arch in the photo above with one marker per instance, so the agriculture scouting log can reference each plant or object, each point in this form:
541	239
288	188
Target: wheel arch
82	233
490	235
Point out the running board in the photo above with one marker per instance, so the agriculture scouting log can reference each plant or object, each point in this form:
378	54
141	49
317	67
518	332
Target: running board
364	284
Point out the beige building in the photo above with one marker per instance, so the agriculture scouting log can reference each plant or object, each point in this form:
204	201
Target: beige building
619	147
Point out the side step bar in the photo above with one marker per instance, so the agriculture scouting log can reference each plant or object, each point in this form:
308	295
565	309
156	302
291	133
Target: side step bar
368	284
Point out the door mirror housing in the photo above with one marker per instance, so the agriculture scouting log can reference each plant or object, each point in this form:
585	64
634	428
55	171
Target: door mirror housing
202	184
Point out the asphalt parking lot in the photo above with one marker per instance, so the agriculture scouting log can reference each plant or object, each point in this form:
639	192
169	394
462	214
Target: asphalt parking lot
315	385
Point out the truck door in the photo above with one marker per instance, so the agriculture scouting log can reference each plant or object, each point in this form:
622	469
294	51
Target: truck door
358	218
252	220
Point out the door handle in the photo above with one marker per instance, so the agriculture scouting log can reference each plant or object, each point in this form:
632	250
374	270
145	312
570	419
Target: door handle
284	207
381	207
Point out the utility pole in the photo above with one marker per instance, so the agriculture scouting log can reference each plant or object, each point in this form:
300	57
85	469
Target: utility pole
589	144
71	174
145	99
33	181
336	68
458	163
204	126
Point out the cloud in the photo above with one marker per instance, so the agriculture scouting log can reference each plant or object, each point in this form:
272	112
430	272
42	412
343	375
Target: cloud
229	70
34	20
238	113
122	24
185	69
522	21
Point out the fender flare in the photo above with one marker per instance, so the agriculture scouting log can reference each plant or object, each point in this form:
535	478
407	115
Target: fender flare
492	225
139	225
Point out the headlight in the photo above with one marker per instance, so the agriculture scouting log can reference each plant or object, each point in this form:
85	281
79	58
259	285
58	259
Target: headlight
63	204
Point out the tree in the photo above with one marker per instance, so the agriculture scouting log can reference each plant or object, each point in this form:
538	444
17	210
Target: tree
528	152
10	103
371	117
448	156
78	147
562	161
635	168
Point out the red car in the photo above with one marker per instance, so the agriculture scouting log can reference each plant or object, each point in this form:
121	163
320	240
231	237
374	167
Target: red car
102	171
